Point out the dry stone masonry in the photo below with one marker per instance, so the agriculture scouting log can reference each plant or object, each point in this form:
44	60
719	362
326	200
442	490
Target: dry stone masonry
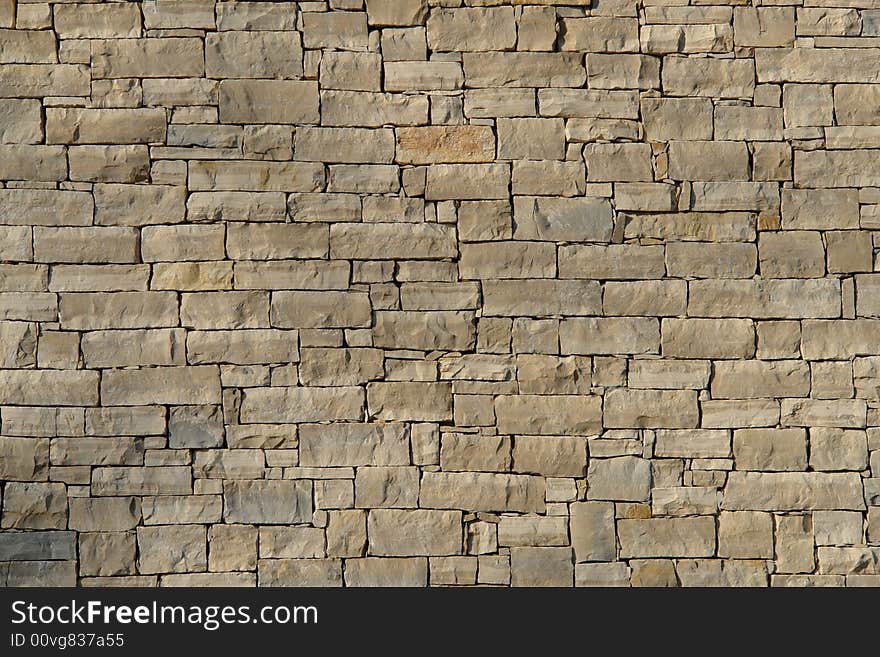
440	292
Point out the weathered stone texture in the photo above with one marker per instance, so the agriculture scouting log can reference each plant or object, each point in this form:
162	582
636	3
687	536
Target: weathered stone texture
439	293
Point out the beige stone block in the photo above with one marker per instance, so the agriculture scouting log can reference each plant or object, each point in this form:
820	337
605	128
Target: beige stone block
410	401
386	487
784	298
320	309
148	58
658	298
677	118
618	162
770	449
472	29
329	366
503	69
667	537
708	160
558	456
232	547
664	39
256	15
32	162
614	261
172	548
562	219
34	506
138	205
343	145
764	26
709	77
354	444
418	532
794	544
792	491
609	335
355	71
300	404
268	101
162	385
234	54
39	80
512	259
372	110
650	409
757	379
837	449
270	502
113	164
481	491
115	514
549	414
391	241
669	374
684	501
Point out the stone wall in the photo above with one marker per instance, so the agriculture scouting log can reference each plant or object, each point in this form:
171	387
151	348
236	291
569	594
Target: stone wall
440	292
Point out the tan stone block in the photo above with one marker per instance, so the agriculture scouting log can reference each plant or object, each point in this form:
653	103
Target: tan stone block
664	39
770	449
104	126
549	414
320	309
172	548
34	506
107	553
386	487
501	69
372	110
658	298
609	335
794	544
618	162
162	385
232	547
420	532
650	409
411	401
102	22
354	444
268	101
234	54
148	58
355	71
463	451
562	219
792	491
299	404
677	118
667	537
343	145
764	26
270	502
481	491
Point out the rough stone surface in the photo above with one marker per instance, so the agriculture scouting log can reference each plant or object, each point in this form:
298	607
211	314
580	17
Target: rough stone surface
439	293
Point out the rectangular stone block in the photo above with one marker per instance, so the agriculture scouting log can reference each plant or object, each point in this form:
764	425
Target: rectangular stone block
161	385
298	404
267	502
792	491
667	537
481	491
